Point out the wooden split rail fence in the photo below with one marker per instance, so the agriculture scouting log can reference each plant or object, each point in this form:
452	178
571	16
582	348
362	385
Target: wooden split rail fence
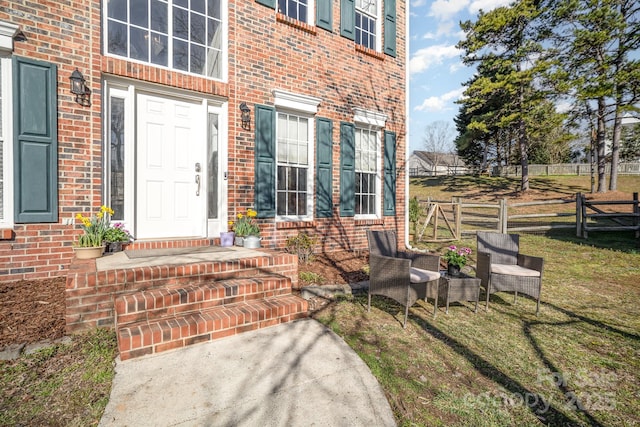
447	221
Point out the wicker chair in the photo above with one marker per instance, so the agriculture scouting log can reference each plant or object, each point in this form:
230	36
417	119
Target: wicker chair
502	268
401	276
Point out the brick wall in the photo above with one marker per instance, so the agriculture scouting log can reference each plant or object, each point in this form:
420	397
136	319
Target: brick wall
67	34
266	52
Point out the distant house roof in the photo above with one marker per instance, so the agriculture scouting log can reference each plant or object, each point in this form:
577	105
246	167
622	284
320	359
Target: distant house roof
442	159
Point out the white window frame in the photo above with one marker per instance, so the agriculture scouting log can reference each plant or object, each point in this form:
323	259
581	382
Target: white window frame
307	107
224	16
375	122
7	32
378	18
311	12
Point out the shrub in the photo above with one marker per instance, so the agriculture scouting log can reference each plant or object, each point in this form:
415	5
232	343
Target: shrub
302	245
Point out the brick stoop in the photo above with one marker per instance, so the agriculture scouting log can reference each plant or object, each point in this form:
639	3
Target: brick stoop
160	319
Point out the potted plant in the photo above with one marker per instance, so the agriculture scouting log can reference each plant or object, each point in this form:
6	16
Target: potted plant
115	236
90	243
456	259
246	225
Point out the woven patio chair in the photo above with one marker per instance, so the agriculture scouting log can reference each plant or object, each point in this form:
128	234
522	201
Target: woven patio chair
502	268
399	275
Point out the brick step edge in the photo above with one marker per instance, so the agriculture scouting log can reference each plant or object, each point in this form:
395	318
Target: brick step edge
178	331
160	302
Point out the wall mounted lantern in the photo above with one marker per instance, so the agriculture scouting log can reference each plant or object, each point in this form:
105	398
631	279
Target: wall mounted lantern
245	116
80	89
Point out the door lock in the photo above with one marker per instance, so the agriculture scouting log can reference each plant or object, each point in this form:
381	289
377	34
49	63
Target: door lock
197	167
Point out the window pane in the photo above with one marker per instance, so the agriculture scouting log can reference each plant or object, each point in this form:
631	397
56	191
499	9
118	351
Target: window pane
212	167
282	178
183	3
159	49
292	153
117	9
213	9
304	155
292	202
358	183
197	28
293	129
139	44
197	59
302	179
118	40
302	204
214	35
139	13
117	142
292	180
180	23
197	5
282	6
180	55
214	63
282	203
159	16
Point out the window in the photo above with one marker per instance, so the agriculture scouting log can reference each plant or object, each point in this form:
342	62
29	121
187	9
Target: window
295	9
185	35
117	155
293	180
367	12
367	165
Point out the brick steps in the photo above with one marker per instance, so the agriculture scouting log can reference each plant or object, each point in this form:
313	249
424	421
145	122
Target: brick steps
159	319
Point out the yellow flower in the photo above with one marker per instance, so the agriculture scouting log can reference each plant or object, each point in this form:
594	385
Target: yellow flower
251	213
230	223
240	216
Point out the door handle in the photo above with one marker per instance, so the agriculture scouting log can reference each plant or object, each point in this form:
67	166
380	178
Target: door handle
198	185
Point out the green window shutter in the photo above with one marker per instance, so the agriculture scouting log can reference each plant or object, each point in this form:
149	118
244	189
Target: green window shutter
265	161
35	143
324	178
390	27
347	169
268	3
389	174
348	19
324	14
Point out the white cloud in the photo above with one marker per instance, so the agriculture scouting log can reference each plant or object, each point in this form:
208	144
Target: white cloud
445	9
429	36
431	56
418	3
455	67
563	106
486	5
445	28
440	103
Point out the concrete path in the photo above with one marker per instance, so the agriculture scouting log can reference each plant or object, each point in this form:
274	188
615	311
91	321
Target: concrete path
294	374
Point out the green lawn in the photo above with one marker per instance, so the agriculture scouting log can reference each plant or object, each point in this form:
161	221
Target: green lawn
577	363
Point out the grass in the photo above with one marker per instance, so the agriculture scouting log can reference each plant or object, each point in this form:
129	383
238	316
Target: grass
575	364
65	384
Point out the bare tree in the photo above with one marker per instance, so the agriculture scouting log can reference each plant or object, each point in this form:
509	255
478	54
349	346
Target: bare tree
438	140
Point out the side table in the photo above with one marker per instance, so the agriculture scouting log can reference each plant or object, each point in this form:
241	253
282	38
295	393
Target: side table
459	288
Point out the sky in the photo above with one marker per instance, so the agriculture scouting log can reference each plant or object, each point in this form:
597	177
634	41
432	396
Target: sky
436	71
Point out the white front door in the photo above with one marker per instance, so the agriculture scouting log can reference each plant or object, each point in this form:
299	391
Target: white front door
171	168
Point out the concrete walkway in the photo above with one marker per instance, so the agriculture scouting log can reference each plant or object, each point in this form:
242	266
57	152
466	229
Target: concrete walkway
293	374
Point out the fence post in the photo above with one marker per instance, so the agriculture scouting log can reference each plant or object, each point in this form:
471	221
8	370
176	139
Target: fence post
636	210
503	225
578	214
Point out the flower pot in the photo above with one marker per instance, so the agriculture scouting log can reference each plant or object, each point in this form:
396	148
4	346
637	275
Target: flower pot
453	270
252	242
113	247
239	240
88	252
226	238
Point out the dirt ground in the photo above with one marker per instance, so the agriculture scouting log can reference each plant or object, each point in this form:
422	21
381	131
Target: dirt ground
32	311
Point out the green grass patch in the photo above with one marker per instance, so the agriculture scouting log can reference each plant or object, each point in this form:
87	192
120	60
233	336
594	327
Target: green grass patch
575	364
65	384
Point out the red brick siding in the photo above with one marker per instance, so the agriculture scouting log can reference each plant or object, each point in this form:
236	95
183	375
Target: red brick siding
265	53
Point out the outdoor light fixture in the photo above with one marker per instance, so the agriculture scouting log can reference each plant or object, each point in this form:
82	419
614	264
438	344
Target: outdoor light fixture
79	89
245	116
